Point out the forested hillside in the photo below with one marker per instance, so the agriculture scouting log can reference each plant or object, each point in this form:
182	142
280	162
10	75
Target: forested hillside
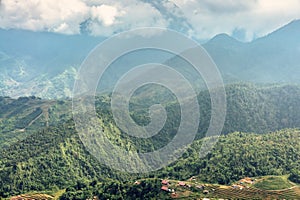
239	155
262	109
55	159
250	108
50	156
49	159
26	115
236	156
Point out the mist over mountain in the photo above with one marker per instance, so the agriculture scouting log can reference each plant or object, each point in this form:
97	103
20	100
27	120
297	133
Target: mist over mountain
270	59
170	11
45	64
41	63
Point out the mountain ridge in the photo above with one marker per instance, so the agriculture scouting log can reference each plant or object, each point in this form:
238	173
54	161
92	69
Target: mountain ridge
24	59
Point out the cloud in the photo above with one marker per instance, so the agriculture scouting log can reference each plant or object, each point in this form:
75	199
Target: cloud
200	19
124	15
254	17
58	16
66	16
105	14
227	6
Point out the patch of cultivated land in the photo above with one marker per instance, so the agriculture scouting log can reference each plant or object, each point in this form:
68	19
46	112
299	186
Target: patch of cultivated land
278	188
273	183
32	197
246	188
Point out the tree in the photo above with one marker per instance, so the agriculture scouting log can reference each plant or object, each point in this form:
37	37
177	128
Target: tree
295	176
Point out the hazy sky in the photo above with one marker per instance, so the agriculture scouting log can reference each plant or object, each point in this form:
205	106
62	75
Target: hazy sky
242	19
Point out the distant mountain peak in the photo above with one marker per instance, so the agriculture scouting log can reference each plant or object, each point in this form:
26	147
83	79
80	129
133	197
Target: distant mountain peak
295	22
223	39
293	26
290	31
223	36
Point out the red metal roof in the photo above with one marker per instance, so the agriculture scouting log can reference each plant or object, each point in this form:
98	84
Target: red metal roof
165	188
181	183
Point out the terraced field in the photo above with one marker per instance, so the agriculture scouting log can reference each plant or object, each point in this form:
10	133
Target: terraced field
191	190
32	197
254	193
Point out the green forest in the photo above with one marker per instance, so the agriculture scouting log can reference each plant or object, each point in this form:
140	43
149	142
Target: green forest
40	150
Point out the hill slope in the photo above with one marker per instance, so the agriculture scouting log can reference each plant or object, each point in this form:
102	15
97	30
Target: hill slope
26	115
49	159
235	156
54	157
250	108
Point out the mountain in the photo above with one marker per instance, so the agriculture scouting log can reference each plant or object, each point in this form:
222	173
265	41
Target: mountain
45	64
45	51
19	118
41	63
270	59
249	109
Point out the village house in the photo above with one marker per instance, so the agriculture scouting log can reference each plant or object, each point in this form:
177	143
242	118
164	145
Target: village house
181	183
165	182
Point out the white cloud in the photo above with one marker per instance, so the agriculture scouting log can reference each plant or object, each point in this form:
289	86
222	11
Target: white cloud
255	17
105	17
65	16
105	13
39	15
125	15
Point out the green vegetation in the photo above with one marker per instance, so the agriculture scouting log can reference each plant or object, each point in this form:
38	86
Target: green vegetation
249	109
295	176
273	183
55	158
146	189
49	155
239	155
24	116
49	159
25	121
42	156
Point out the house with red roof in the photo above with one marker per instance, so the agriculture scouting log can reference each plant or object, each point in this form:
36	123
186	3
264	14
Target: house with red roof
181	183
165	188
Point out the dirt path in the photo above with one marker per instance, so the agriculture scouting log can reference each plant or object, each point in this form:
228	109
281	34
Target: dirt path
32	121
46	114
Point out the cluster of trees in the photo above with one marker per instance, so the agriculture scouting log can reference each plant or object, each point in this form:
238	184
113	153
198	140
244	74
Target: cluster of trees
114	189
234	157
295	176
51	158
239	155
